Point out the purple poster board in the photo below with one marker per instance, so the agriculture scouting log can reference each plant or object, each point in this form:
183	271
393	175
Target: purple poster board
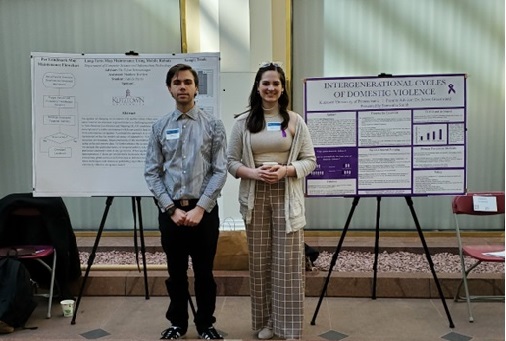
387	136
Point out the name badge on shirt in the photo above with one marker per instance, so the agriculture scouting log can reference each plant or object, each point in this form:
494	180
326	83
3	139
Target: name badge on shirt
273	126
172	134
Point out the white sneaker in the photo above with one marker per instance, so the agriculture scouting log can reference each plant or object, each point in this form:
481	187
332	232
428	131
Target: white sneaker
265	334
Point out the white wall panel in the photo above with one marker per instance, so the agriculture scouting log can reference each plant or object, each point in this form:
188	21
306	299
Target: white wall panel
331	38
71	26
368	37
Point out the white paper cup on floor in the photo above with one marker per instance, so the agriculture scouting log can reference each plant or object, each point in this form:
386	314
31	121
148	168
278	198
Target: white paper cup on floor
67	307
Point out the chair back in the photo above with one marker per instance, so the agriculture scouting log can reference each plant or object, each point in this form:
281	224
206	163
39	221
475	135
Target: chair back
25	226
28	220
463	204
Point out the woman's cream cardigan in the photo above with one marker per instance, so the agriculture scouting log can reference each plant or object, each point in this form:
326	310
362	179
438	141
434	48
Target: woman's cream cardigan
301	156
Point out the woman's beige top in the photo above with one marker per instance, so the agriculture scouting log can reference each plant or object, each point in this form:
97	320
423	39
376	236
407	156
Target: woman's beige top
271	144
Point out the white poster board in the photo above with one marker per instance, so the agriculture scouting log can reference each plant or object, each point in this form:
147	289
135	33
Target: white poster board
387	136
92	114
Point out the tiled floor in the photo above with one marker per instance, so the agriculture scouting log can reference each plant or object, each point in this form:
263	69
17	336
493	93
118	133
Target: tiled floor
348	319
123	317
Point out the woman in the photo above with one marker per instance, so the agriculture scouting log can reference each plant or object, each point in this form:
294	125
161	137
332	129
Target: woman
271	151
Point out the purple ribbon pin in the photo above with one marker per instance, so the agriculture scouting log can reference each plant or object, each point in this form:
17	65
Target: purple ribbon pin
283	132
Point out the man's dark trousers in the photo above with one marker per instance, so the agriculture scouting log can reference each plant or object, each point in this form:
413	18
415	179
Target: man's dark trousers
199	242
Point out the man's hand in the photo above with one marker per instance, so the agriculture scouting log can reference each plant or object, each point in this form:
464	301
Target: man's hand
194	216
179	217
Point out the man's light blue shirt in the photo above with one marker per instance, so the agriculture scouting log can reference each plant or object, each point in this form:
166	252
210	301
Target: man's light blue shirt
186	158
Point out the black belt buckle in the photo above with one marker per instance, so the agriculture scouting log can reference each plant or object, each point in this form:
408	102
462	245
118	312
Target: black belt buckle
184	202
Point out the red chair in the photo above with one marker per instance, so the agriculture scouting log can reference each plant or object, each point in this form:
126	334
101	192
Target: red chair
29	220
468	204
38	253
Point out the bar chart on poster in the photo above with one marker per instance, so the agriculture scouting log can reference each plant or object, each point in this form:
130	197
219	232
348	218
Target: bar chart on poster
92	116
387	136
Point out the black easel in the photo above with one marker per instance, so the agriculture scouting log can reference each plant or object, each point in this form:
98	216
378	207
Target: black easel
135	209
143	246
409	202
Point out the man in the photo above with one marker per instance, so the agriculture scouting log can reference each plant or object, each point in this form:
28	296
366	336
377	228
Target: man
186	169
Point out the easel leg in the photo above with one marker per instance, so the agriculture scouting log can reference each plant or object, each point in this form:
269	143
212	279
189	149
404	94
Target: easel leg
136	246
334	257
143	247
376	249
409	201
108	203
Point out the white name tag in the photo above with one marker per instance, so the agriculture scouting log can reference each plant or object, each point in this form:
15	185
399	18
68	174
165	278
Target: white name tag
273	126
172	134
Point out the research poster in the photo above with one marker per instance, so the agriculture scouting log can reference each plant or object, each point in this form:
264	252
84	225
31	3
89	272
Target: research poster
387	136
92	115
